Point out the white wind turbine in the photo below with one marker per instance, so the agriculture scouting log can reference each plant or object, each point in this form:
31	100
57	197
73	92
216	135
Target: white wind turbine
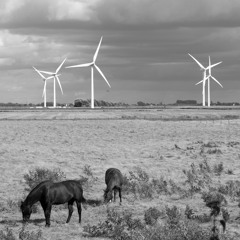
44	95
204	75
92	65
208	78
55	76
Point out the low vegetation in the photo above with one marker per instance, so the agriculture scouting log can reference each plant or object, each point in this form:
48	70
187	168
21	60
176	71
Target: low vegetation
23	234
37	175
166	222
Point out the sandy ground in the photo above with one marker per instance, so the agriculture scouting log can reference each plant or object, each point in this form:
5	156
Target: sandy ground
107	139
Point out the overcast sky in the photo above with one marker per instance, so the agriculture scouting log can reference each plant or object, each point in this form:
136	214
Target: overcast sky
144	52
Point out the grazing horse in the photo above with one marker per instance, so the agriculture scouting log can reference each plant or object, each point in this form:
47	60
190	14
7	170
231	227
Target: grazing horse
49	193
114	181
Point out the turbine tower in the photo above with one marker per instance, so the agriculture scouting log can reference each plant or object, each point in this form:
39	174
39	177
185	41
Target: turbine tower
93	65
208	78
55	76
44	95
204	76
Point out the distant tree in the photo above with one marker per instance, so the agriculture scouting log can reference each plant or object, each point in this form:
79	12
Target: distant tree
140	103
78	103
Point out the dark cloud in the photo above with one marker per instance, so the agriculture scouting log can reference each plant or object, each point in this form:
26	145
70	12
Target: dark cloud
143	53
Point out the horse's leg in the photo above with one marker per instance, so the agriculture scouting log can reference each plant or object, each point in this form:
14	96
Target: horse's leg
47	212
70	210
79	207
115	193
120	194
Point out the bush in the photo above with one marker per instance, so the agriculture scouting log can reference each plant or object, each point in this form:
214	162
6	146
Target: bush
123	226
142	186
231	188
116	226
198	177
26	235
139	184
38	175
8	234
202	218
88	180
214	196
151	216
218	169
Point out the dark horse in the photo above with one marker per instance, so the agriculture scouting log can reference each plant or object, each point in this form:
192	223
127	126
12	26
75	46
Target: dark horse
49	193
114	181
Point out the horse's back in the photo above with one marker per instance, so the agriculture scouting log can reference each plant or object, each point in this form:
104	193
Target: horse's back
113	175
65	191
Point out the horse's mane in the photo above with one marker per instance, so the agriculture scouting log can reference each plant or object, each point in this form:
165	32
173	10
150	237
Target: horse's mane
36	188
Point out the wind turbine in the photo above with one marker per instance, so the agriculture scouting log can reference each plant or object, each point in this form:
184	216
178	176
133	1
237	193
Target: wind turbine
44	95
208	78
92	65
204	75
55	76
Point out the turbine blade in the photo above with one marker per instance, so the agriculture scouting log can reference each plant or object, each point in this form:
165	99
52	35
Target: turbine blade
96	53
80	65
102	75
213	65
210	69
59	83
216	81
203	80
201	66
60	65
49	77
199	82
49	73
39	73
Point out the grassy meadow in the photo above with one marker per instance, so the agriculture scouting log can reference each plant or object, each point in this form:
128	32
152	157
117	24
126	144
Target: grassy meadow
160	142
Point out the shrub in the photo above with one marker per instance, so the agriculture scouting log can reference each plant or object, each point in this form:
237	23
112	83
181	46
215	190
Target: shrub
173	215
213	196
8	234
214	151
88	180
121	225
116	226
231	188
160	185
198	177
190	214
151	216
37	175
218	169
139	184
26	235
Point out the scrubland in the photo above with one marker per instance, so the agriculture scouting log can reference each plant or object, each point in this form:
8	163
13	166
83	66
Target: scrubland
171	159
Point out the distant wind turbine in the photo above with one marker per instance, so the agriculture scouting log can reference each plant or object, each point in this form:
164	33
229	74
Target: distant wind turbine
92	65
208	78
44	95
55	76
204	75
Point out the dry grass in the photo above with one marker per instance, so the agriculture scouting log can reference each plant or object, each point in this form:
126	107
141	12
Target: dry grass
72	140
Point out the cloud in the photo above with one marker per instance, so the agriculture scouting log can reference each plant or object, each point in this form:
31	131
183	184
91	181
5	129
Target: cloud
122	14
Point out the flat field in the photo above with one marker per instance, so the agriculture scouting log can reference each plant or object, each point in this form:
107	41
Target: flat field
161	142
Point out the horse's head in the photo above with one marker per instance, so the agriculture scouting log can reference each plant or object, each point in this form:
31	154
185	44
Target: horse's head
26	211
107	196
